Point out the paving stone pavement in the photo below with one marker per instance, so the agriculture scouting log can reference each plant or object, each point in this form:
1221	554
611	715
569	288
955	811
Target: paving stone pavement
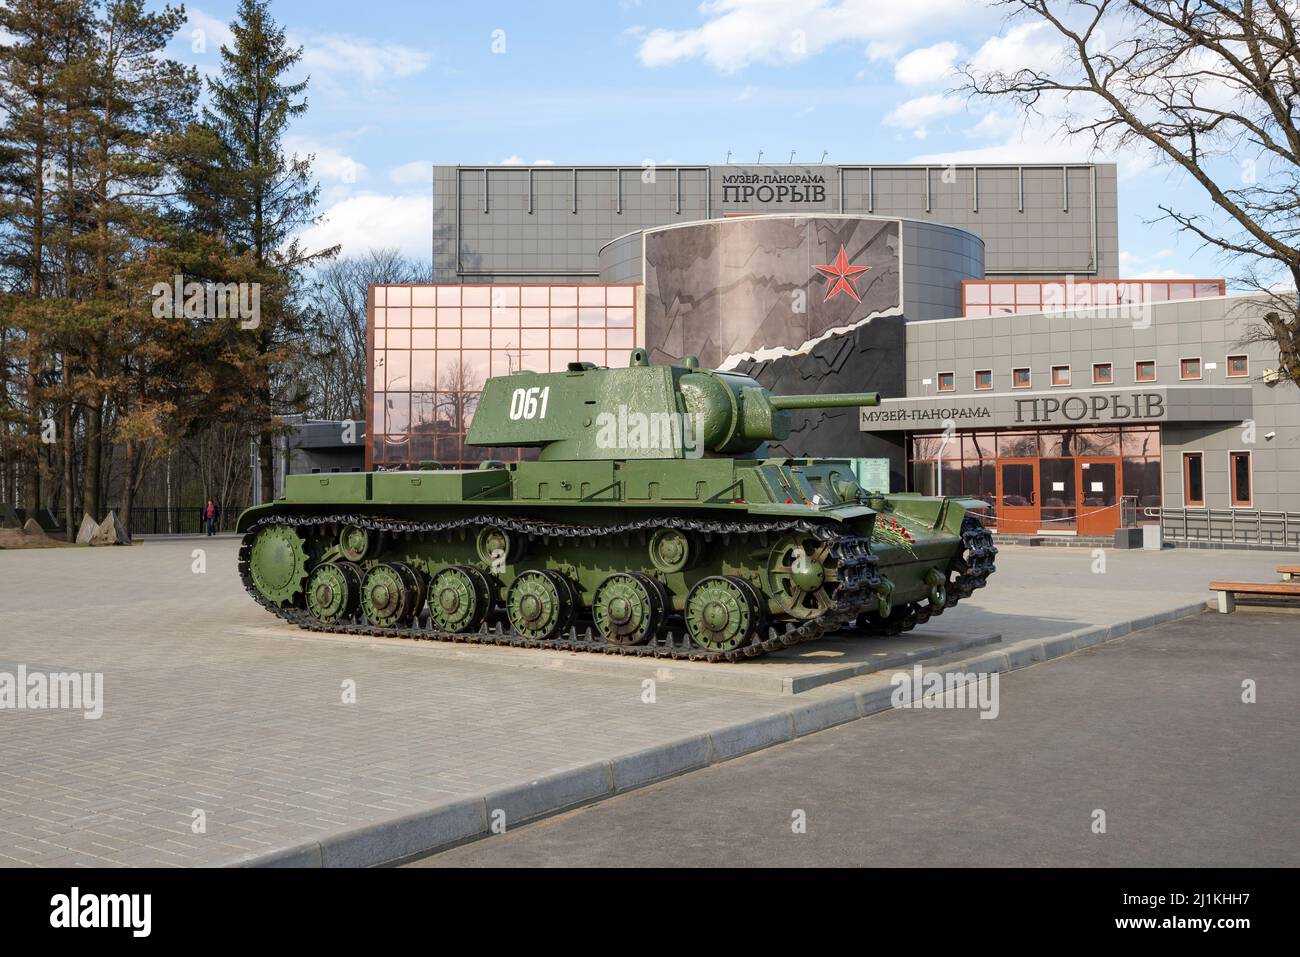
206	709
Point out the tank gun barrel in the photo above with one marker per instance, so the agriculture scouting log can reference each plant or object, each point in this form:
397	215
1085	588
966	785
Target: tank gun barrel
830	400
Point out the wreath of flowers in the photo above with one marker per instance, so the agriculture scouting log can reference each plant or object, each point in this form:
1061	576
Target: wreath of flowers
889	529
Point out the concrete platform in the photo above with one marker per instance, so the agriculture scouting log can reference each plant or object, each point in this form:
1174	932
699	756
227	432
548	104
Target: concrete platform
794	670
336	752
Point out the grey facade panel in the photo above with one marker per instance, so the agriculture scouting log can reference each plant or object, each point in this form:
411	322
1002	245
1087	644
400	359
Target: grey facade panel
548	223
1215	415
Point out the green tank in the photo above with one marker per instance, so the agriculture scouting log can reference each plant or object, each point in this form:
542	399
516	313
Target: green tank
651	522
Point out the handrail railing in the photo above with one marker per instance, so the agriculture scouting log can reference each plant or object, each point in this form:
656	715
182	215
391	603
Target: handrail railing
1245	526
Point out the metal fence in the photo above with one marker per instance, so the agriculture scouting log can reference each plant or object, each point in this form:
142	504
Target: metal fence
177	520
1237	526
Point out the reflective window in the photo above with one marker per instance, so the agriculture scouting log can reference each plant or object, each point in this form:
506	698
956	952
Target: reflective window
1103	373
992	297
1145	371
434	347
1240	468
1193	479
1189	368
1238	366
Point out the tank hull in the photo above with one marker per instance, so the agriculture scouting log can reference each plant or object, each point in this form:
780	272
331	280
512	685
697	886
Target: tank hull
716	559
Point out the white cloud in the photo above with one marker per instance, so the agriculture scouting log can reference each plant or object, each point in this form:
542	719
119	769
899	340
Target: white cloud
917	113
362	58
330	165
1135	266
928	65
417	171
737	33
520	161
204	33
372	220
1024	45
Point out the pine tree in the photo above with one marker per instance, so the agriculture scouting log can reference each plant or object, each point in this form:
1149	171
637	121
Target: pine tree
260	197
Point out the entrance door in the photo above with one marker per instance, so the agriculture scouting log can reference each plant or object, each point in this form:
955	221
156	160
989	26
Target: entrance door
1018	496
1099	496
1058	509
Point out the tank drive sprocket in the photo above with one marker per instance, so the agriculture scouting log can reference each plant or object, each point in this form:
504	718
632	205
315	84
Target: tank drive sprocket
278	563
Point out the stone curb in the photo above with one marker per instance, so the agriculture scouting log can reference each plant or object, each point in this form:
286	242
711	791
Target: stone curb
457	822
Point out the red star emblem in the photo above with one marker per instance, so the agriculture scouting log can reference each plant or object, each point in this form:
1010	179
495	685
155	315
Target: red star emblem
843	274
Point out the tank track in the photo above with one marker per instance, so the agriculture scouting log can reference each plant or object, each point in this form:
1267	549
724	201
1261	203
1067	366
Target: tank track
857	568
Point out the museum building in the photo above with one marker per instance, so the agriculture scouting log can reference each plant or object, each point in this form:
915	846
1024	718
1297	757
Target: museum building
982	302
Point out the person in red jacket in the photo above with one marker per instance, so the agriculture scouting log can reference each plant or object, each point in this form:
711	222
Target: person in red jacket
210	517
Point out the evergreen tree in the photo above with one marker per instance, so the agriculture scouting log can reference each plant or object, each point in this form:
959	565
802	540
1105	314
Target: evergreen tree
260	197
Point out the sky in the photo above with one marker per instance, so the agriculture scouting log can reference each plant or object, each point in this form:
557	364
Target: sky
396	86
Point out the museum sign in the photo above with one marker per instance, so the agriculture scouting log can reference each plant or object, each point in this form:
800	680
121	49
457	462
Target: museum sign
1082	408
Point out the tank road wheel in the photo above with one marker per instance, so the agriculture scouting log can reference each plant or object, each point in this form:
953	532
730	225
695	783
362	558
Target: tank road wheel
670	550
384	596
332	593
458	598
720	613
797	577
278	564
356	574
628	608
535	605
416	588
354	542
569	603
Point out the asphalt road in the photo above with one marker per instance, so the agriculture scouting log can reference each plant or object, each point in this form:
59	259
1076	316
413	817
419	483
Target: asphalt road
1152	730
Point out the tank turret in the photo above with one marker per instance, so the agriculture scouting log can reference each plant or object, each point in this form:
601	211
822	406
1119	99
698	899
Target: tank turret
640	412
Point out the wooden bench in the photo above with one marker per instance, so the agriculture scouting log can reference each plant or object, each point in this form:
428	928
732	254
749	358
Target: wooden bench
1289	573
1228	592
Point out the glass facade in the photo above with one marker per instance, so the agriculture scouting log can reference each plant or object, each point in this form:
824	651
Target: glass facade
432	348
1069	480
1004	297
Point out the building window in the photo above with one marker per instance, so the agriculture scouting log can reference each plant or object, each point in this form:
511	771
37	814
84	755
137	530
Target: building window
1240	463
1060	375
1189	368
947	382
1103	373
1238	366
983	378
1145	371
1021	379
1193	480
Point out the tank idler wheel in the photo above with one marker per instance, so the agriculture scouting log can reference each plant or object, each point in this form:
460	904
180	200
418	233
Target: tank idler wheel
354	543
384	596
417	587
628	609
278	564
458	598
535	605
332	592
721	614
